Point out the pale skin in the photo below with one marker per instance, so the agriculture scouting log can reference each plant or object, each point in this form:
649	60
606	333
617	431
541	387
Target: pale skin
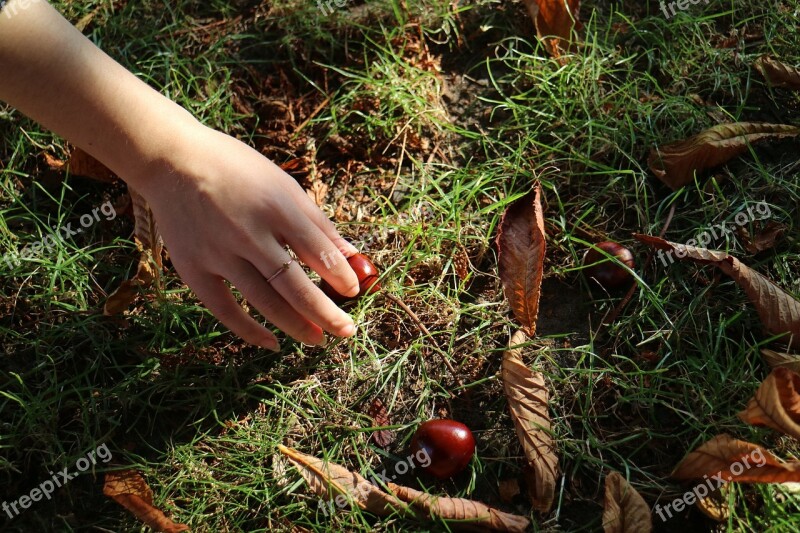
224	210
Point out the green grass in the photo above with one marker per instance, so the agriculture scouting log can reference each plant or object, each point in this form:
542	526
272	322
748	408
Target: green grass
420	165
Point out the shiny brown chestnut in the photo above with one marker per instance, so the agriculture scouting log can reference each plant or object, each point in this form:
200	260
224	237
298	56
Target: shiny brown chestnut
447	444
367	279
603	270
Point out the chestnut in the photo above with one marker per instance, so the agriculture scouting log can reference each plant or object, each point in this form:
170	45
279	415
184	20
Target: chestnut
367	279
603	270
449	446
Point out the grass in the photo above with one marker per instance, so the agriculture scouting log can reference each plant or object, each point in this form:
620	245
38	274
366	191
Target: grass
431	119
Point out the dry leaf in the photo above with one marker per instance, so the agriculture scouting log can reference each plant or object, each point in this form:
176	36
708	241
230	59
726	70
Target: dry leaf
129	489
80	163
150	245
778	74
381	437
776	403
781	359
470	514
336	483
521	249
676	163
624	509
724	458
554	21
508	489
715	505
764	239
528	401
318	192
779	311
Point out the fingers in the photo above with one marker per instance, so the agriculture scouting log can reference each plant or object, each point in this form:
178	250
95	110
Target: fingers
302	295
326	256
273	306
216	296
317	243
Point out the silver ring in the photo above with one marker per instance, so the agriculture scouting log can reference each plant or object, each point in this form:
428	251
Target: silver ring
281	270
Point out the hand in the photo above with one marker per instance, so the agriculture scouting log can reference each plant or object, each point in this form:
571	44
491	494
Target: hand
225	213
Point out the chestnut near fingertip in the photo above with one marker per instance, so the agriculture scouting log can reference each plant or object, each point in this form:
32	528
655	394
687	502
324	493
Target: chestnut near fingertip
367	279
448	445
603	270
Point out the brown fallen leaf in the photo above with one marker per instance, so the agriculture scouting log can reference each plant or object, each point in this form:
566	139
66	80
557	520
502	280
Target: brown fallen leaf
624	509
554	21
781	359
129	489
381	437
778	310
528	402
150	245
520	262
724	459
715	505
778	74
764	239
80	163
336	483
508	489
675	163
318	192
776	403
469	513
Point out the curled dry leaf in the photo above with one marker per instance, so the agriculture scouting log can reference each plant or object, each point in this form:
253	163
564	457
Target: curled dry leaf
624	509
764	239
150	245
470	514
676	163
781	359
381	437
724	458
333	482
129	489
521	248
508	489
778	74
80	163
778	310
528	402
554	21
776	403
715	505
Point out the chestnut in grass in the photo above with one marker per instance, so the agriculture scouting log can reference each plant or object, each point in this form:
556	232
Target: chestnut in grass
367	279
603	270
449	446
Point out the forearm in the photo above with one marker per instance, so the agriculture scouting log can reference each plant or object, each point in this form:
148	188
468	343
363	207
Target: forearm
52	73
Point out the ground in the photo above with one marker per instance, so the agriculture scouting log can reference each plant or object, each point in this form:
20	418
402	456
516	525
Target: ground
413	124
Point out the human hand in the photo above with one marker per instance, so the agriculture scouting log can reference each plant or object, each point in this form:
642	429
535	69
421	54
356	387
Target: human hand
224	210
225	213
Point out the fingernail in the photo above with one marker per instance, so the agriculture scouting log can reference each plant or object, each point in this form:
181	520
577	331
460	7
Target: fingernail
271	344
348	331
346	248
